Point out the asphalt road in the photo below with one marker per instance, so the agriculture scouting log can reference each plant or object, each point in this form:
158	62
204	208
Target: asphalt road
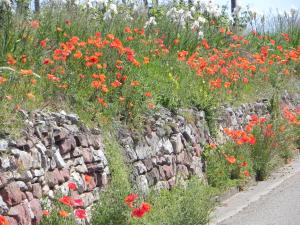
279	207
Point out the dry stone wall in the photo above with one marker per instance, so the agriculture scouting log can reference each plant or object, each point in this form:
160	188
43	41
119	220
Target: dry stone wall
57	148
169	148
170	144
54	150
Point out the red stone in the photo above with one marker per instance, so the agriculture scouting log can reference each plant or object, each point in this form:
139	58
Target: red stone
54	177
67	145
37	210
12	194
168	170
3	180
36	190
29	195
87	155
21	213
65	174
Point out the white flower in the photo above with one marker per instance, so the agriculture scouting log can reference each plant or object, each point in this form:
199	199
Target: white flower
150	22
193	9
200	34
113	8
195	25
107	15
201	19
188	15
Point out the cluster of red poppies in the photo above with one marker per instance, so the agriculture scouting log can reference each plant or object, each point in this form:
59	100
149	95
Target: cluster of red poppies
140	211
73	203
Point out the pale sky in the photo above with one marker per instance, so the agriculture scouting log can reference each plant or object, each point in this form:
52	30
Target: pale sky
265	5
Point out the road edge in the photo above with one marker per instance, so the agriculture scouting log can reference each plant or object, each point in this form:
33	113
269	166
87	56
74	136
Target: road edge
242	200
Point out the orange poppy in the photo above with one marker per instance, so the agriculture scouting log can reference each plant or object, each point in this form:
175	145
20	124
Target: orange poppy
63	213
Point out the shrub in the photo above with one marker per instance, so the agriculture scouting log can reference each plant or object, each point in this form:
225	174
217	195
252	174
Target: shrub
189	205
227	165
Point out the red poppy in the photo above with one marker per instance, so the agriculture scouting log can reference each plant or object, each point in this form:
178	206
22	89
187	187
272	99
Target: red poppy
145	206
102	102
3	221
11	60
137	212
78	202
72	186
66	200
148	94
43	43
129	199
246	173
116	84
46	213
88	178
230	159
80	213
244	164
35	24
2	80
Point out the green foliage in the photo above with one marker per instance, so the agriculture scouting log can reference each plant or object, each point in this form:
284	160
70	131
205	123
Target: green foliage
111	209
222	174
188	205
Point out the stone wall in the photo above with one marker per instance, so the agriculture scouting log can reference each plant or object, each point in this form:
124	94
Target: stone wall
56	148
169	145
53	150
169	148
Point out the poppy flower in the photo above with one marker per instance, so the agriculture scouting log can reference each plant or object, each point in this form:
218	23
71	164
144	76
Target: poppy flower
127	30
110	36
11	60
182	55
80	213
26	72
35	24
30	96
244	164
137	212
78	202
63	213
145	206
151	105
148	94
46	213
3	221
116	84
88	178
102	102
96	84
230	159
78	55
2	80
66	200
72	186
176	42
43	43
246	173
130	38
129	199
23	59
146	60
135	83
